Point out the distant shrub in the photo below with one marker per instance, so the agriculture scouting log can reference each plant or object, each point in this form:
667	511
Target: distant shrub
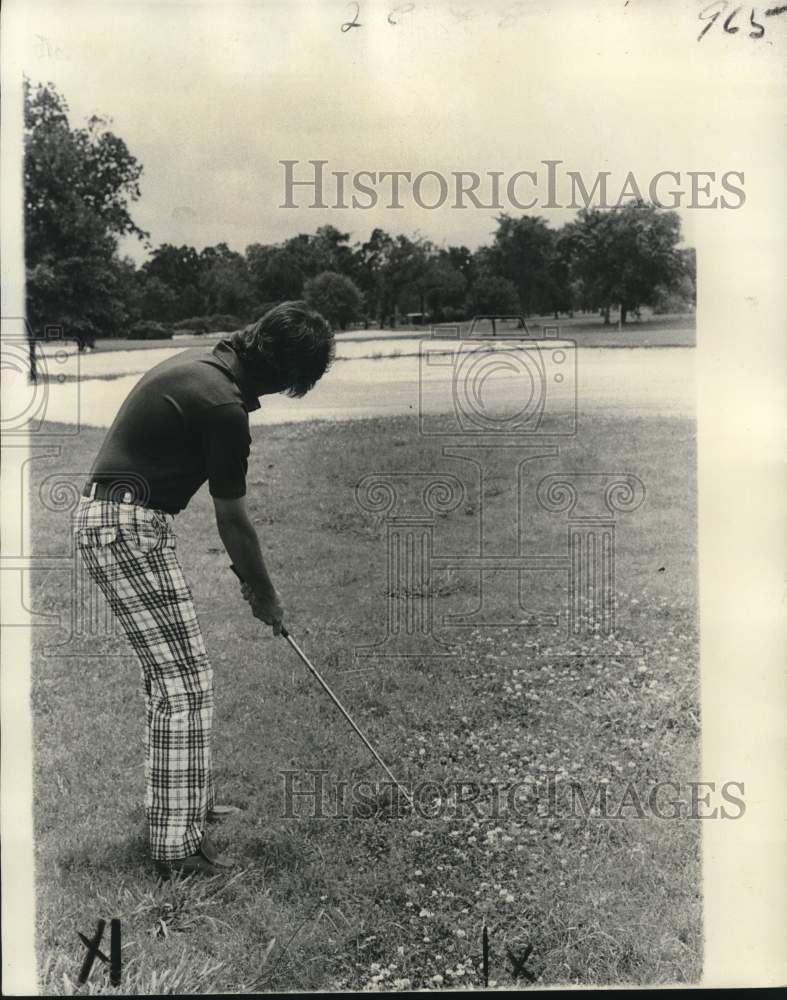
673	300
215	323
196	325
223	323
147	329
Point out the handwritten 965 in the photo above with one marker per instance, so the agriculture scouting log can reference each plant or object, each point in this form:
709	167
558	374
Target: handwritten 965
736	20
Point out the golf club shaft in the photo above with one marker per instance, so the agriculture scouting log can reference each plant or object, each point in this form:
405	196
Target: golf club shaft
345	713
313	670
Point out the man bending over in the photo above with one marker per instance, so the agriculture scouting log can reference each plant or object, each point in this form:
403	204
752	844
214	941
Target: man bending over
186	422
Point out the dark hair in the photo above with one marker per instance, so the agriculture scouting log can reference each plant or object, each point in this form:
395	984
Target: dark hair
291	345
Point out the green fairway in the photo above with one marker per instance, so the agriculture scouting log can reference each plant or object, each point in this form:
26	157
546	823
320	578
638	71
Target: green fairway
381	902
652	331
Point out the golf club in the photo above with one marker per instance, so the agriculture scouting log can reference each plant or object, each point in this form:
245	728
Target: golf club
337	703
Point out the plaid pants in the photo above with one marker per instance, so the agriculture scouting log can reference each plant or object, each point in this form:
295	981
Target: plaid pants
130	553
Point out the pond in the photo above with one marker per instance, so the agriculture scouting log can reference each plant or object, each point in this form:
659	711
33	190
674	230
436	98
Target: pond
634	381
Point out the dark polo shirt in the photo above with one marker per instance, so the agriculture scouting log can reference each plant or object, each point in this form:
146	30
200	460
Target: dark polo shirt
186	421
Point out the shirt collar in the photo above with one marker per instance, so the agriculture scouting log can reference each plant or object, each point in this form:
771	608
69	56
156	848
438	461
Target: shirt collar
225	354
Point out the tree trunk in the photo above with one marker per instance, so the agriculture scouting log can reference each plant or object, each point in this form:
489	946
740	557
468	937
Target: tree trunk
623	314
606	315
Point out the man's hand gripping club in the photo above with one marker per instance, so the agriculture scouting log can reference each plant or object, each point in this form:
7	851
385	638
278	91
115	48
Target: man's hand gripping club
243	547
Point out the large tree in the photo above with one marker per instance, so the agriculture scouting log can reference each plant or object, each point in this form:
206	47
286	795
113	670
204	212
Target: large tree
282	277
336	296
180	271
371	260
623	255
78	185
524	251
178	267
491	294
445	286
225	281
403	274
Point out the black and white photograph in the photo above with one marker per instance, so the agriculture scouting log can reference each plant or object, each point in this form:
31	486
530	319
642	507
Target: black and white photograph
393	524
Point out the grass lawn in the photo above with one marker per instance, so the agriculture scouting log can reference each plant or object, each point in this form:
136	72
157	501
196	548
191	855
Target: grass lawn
655	331
590	331
379	901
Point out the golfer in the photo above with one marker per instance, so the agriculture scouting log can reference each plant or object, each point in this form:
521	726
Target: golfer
184	423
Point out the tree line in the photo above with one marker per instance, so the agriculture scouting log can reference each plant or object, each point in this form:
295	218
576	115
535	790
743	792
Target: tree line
80	183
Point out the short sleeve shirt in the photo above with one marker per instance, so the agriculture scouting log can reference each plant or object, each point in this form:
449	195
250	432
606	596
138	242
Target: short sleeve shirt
184	423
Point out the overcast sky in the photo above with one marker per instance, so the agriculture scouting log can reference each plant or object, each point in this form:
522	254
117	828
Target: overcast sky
209	97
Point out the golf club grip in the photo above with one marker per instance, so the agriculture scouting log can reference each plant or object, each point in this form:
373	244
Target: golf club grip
284	631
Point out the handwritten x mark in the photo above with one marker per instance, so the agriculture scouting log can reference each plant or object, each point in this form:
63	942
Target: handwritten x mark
92	951
518	964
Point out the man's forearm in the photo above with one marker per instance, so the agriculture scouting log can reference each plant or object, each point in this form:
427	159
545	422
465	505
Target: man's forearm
243	547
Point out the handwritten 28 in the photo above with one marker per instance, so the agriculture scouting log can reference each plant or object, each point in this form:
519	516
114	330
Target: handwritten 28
394	14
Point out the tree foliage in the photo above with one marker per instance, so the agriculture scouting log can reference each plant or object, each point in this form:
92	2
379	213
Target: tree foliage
621	256
492	294
80	184
336	296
